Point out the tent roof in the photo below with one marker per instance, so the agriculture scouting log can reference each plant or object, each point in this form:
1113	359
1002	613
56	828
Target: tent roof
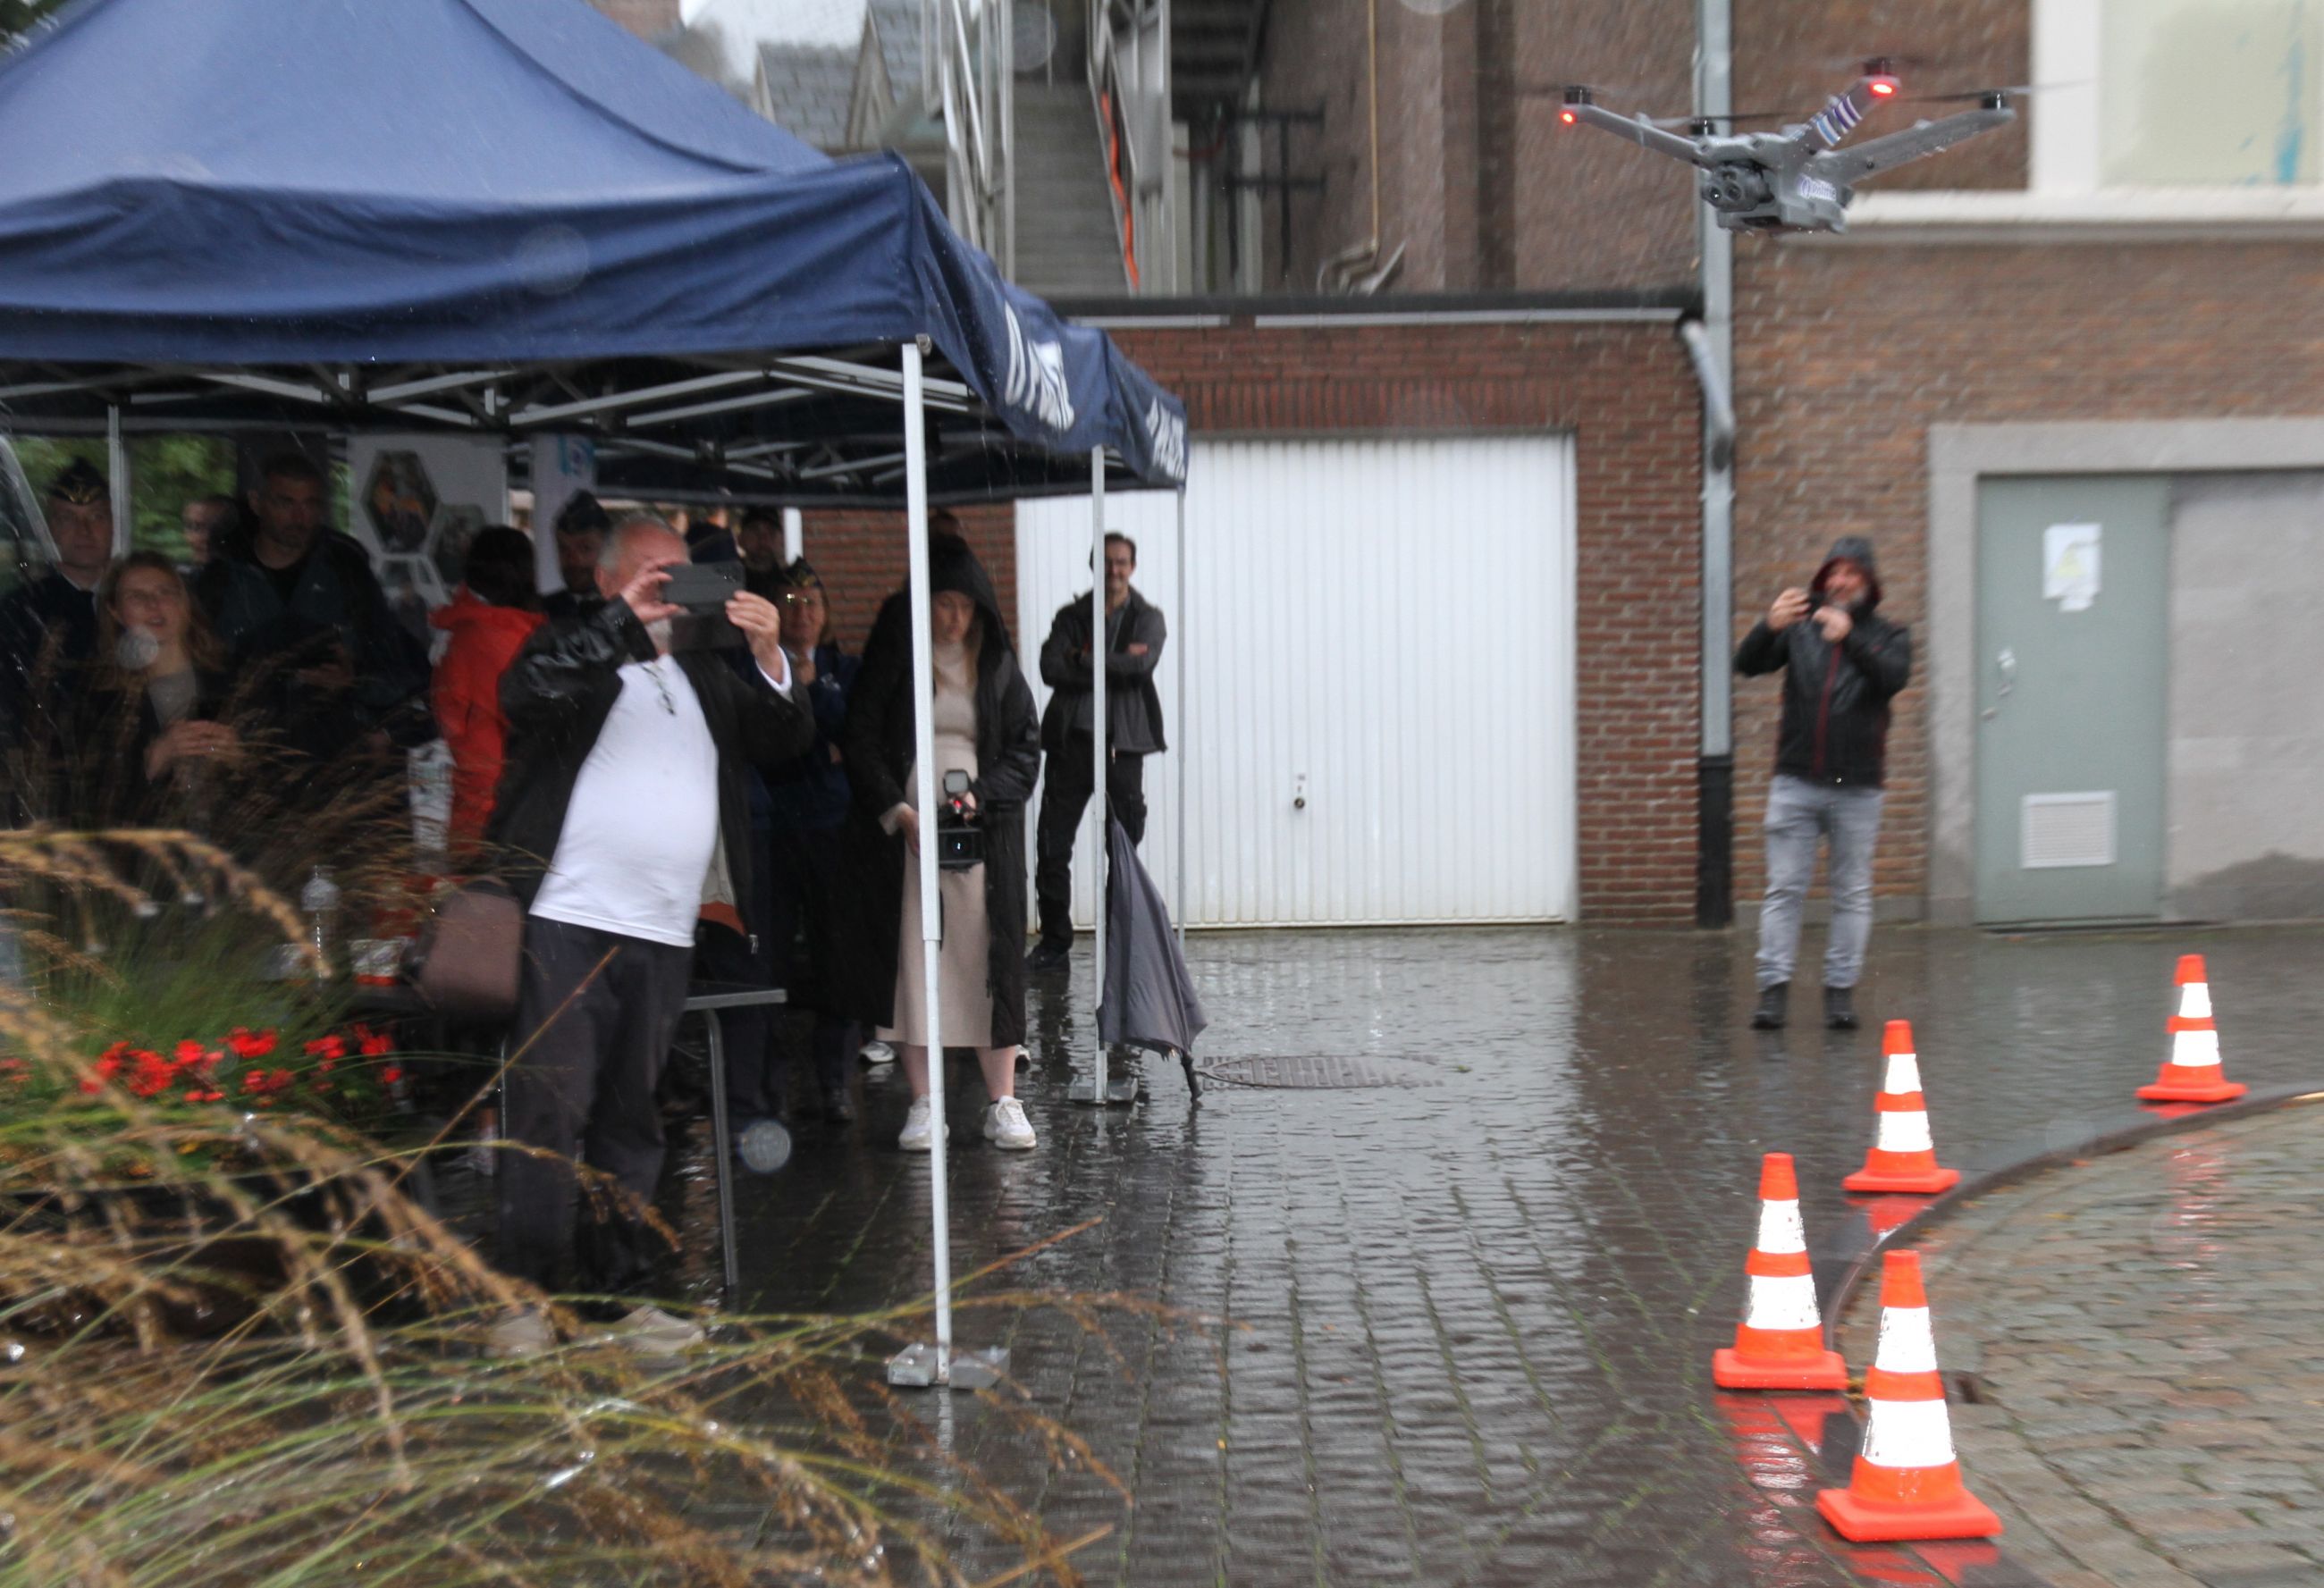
253	211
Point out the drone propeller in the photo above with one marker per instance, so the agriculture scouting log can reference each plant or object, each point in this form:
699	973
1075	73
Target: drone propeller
1981	96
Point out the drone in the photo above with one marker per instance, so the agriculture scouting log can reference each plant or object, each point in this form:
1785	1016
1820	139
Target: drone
1797	179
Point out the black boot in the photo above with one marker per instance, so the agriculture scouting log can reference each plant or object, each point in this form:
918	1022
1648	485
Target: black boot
1769	1016
1840	1008
1050	955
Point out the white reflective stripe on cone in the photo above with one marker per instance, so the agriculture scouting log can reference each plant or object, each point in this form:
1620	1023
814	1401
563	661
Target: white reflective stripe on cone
2194	1048
1908	1433
1906	1133
1905	1073
1907	1343
1783	1302
1780	1229
2195	1001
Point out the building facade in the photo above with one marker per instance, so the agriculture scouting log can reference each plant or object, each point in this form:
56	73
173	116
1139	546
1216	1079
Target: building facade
2093	331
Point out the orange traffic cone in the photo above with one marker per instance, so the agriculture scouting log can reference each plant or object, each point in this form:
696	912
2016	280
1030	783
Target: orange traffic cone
1907	1483
1902	1158
1779	1344
2192	1073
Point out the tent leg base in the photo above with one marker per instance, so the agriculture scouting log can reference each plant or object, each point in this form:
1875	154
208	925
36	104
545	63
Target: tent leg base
922	1367
1120	1089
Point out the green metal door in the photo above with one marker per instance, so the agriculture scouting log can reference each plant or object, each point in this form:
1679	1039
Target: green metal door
2072	644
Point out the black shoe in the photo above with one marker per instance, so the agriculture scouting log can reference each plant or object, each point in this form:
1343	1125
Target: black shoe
1773	1007
838	1107
1048	955
1840	1008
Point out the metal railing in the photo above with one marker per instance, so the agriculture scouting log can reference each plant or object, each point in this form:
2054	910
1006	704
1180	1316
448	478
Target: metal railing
968	76
1130	90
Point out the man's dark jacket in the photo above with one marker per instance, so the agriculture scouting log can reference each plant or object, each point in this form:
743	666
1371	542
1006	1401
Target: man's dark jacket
48	637
335	601
1133	707
556	695
1835	728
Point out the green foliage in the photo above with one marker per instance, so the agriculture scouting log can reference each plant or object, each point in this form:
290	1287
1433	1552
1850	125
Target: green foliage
166	472
16	16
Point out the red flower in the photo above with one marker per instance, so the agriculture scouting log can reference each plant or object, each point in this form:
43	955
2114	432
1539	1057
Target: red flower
374	1043
391	1074
89	1083
331	1047
191	1053
248	1044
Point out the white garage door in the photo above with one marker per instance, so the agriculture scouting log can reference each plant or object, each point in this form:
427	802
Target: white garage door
1381	630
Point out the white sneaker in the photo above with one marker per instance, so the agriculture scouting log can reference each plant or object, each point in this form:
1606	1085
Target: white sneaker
876	1053
1006	1127
918	1128
652	1332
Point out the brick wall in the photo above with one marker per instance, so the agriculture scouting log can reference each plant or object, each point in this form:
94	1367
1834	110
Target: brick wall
1479	182
1848	352
1623	390
860	558
648	19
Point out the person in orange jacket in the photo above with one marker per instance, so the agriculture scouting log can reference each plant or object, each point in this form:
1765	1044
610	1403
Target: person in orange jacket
489	618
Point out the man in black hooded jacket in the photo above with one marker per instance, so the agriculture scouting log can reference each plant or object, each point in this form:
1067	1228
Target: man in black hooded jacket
1842	664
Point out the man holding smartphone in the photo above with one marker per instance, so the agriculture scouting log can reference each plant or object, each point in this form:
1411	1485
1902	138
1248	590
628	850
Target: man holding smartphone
1842	664
623	810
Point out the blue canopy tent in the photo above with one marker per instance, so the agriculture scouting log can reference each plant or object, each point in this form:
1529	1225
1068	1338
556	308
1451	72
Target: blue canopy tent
510	217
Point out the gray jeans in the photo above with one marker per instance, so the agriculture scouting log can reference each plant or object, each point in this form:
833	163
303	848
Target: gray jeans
1798	813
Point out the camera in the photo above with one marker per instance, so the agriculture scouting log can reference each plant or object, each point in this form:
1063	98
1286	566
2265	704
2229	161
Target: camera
960	842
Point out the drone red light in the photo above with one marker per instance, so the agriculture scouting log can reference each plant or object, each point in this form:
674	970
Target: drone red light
1566	117
1884	86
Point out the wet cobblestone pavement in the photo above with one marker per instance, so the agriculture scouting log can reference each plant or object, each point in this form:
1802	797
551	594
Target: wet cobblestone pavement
2146	1335
1472	1309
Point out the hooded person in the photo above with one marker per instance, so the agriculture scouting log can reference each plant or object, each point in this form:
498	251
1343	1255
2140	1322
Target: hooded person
1842	664
984	725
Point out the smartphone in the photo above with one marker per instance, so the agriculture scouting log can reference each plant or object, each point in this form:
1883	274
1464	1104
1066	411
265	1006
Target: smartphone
703	588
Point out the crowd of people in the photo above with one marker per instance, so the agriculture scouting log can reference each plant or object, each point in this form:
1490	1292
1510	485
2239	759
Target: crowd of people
671	798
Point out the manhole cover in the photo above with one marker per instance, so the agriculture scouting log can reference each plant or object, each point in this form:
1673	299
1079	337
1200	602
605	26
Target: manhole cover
1318	1072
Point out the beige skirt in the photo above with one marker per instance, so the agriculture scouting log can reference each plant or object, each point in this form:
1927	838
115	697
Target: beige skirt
965	959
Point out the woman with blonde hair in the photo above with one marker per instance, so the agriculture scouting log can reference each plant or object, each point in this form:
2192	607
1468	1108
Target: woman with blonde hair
153	718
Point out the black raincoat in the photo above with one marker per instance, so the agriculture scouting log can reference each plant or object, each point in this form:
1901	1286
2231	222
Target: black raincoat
879	746
1835	728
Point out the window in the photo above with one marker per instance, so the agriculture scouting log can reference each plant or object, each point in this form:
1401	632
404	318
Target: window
2210	93
2187	94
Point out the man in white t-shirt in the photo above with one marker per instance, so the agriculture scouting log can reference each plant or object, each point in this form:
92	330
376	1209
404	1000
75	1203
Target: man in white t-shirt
624	806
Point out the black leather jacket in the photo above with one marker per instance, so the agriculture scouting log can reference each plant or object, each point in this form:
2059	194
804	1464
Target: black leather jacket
556	695
1835	728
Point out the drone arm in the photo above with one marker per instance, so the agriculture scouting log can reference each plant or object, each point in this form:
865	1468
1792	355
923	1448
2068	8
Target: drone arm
1641	132
1845	168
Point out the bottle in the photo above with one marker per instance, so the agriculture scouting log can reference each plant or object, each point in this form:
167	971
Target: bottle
320	901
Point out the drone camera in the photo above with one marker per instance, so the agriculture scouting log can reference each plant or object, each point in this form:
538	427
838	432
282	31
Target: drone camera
1575	94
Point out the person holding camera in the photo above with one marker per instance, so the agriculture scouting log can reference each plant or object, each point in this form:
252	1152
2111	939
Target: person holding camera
623	807
1842	664
988	754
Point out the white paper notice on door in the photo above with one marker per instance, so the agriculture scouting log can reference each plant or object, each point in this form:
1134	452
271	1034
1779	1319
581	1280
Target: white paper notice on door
2070	565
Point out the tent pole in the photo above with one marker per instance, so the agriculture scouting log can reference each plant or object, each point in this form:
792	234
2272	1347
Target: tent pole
1099	1086
923	751
116	474
1182	715
1099	655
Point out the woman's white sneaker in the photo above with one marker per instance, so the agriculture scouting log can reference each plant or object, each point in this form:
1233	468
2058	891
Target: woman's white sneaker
917	1130
1006	1127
